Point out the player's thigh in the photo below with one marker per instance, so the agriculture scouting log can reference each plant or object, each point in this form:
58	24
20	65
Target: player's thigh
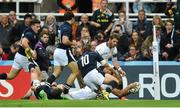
60	57
19	62
93	79
73	67
91	85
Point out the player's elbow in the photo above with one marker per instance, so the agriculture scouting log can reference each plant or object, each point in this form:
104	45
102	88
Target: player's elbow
25	43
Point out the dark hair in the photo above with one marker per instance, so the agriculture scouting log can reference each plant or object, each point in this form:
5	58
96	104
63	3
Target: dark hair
142	10
118	25
97	36
15	46
121	11
86	47
27	16
132	45
84	27
114	36
117	31
68	15
42	33
104	0
170	21
35	21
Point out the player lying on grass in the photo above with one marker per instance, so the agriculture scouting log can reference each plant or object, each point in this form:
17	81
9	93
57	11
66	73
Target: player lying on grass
110	81
43	90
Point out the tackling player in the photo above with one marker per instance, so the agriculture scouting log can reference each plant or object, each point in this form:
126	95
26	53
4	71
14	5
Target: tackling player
92	78
108	51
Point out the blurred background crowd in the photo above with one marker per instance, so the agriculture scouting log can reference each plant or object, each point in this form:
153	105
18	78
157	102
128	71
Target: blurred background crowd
135	37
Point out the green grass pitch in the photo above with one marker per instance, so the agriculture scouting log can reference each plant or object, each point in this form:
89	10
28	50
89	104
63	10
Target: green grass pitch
90	103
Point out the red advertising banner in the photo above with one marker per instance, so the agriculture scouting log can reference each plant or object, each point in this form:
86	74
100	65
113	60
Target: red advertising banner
16	88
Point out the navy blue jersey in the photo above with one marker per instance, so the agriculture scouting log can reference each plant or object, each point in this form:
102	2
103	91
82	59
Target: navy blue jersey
32	37
88	62
64	30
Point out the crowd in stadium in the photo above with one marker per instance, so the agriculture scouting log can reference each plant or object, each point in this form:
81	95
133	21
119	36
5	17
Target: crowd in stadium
135	38
113	39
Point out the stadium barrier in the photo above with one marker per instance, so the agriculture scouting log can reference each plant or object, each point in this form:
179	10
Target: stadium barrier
141	71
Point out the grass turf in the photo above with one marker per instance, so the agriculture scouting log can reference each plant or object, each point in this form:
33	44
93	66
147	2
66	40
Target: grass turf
89	103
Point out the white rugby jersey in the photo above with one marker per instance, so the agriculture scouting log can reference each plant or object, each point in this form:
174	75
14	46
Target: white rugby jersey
105	51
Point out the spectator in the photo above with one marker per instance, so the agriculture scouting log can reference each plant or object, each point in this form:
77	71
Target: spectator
42	56
74	30
174	11
142	25
85	22
45	30
157	21
12	18
136	40
3	55
13	51
99	37
84	32
146	48
103	18
132	55
123	41
19	28
5	28
85	37
126	24
170	46
52	26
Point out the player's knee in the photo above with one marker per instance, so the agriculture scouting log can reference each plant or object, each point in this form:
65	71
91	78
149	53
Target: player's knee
31	67
114	84
10	76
